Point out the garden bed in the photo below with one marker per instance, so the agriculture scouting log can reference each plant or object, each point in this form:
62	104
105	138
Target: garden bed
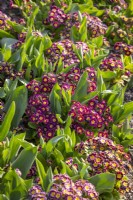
66	100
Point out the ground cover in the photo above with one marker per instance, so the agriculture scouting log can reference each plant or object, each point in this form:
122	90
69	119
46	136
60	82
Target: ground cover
66	102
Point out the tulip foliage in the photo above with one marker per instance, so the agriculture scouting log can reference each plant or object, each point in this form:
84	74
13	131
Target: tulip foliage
65	67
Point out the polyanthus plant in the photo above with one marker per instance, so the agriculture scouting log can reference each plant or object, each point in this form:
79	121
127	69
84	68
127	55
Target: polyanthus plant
64	71
103	155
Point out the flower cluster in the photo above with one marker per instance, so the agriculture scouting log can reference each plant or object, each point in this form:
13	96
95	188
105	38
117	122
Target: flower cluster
104	156
9	71
39	113
21	38
45	86
128	21
32	172
122	3
38	110
94	25
57	17
64	50
123	48
64	188
65	80
22	35
70	79
3	21
87	118
112	62
117	8
36	193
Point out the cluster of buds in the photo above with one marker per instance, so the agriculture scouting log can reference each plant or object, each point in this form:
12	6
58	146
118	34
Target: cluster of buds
64	188
22	35
36	193
87	118
122	3
64	50
9	71
104	156
128	21
112	62
66	81
94	25
57	17
3	21
117	8
121	33
18	129
70	79
123	48
45	86
39	112
32	172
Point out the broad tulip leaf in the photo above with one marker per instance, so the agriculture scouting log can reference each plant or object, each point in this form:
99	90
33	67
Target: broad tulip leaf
81	89
103	182
5	127
19	95
25	160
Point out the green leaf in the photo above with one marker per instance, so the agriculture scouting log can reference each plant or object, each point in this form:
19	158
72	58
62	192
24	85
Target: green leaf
5	127
6	54
100	82
46	42
103	182
127	143
3	197
17	27
66	169
89	96
83	171
32	17
41	172
48	180
115	131
15	56
128	110
74	34
52	142
4	34
108	75
8	42
58	155
19	95
2	93
25	160
55	99
15	145
81	89
83	30
98	41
